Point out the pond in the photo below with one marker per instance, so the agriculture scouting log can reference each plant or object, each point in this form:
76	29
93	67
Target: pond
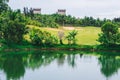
59	65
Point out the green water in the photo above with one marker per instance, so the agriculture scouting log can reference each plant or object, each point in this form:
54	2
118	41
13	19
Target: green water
59	65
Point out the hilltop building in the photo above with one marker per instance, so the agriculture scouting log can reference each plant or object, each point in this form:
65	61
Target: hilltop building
61	11
37	10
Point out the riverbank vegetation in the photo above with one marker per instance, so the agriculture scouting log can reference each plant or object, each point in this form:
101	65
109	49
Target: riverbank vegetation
29	30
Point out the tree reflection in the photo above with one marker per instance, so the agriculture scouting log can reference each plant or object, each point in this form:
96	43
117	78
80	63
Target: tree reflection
14	64
71	60
13	67
61	59
34	61
38	59
109	65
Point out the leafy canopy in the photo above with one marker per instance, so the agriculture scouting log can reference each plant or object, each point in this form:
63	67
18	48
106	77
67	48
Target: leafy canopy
110	35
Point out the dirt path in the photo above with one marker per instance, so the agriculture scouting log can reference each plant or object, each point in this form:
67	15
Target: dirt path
68	28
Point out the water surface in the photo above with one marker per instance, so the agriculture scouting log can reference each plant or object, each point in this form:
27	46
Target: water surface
59	65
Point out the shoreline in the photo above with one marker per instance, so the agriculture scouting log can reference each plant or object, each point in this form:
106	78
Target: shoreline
92	48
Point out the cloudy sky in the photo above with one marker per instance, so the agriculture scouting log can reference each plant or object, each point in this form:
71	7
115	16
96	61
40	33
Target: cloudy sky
78	8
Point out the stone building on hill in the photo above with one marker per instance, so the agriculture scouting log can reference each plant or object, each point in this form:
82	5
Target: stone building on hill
61	11
37	10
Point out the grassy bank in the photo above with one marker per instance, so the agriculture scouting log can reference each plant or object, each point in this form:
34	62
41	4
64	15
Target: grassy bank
85	36
93	48
86	40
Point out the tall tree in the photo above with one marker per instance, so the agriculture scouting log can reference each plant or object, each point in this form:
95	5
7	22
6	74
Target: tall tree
12	26
110	35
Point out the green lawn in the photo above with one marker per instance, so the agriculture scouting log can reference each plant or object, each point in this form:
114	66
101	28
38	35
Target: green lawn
86	35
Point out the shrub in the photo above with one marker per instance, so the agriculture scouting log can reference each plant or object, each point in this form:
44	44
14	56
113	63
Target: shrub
35	37
42	38
12	26
13	32
109	35
71	37
34	22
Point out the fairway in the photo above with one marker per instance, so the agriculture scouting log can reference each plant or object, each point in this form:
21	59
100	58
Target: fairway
88	35
85	36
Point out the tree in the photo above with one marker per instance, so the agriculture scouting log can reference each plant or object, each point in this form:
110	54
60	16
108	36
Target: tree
3	5
36	36
12	26
31	13
71	37
13	33
46	20
42	38
25	10
109	35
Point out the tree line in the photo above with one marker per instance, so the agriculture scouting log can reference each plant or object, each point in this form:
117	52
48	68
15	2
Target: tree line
55	20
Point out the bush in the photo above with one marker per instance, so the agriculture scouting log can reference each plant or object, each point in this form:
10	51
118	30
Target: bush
71	37
36	36
42	38
12	26
110	35
13	32
34	22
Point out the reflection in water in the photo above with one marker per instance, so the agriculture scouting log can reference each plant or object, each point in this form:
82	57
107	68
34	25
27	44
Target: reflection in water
61	59
14	65
71	60
109	65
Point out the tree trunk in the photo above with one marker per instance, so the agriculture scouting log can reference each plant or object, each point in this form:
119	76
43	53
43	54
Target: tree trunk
61	42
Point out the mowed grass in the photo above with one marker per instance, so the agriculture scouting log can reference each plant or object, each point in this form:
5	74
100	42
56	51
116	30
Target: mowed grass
85	36
88	35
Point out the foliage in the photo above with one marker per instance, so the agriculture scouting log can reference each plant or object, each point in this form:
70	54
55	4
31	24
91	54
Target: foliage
34	22
85	36
40	20
13	15
110	35
46	21
71	37
28	12
14	32
55	20
73	21
42	38
12	26
106	68
10	69
3	6
65	20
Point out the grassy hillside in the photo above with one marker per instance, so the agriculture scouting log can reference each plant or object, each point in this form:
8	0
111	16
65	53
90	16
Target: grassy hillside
86	35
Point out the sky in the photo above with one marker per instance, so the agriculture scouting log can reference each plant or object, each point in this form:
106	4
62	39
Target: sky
79	8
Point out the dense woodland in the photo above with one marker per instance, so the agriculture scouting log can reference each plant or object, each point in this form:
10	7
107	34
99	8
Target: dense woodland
13	26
